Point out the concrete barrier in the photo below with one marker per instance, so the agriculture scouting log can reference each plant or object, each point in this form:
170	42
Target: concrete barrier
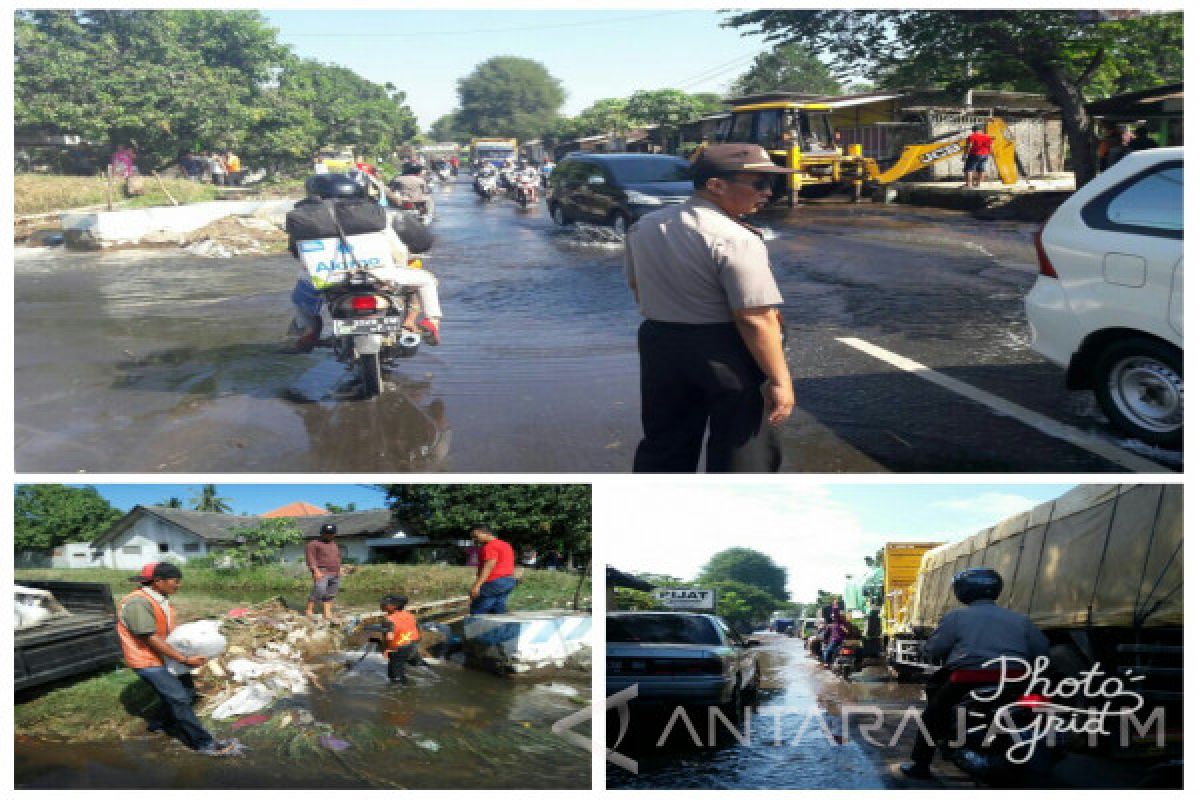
96	230
521	642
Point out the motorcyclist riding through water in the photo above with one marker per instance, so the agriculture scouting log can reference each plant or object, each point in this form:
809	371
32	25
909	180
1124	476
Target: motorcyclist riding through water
968	638
307	299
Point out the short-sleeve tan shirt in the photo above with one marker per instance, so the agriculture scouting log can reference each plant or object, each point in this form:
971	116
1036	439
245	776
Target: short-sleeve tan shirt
694	264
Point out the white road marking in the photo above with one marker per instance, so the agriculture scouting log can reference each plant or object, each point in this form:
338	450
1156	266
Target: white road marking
1005	408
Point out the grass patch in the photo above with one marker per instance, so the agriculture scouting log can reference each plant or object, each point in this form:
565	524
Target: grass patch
105	706
38	194
210	592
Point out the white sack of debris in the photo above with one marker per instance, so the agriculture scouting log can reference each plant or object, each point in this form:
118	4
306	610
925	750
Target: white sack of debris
201	638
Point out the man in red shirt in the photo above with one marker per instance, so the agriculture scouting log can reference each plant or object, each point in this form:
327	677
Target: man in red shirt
494	579
979	147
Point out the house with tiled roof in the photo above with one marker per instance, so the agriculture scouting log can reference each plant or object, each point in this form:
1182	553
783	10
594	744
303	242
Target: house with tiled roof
157	533
296	509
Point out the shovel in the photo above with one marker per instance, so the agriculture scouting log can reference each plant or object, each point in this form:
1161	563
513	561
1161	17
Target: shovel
366	652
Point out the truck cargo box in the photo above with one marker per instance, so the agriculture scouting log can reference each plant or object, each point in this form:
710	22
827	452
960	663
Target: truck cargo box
1098	556
82	642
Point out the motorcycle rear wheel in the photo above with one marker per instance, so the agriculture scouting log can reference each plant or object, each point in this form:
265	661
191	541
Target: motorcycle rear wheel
371	372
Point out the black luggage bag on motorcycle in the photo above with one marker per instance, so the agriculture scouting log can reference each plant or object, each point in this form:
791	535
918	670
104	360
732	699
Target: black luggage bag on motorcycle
312	220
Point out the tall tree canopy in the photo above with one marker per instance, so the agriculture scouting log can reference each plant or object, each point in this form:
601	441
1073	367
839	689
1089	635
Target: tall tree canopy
1073	56
168	81
509	96
666	108
208	500
787	67
542	516
743	565
46	515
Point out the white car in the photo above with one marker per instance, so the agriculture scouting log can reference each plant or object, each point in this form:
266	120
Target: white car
1108	303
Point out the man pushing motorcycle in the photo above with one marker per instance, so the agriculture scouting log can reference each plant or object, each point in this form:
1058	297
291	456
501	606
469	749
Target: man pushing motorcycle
390	266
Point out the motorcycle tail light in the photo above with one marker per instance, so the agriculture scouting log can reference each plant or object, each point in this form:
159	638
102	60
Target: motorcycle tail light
1032	701
408	205
363	302
847	651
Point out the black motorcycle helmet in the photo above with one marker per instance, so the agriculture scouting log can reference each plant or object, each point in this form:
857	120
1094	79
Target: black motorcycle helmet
412	169
977	583
329	528
334	186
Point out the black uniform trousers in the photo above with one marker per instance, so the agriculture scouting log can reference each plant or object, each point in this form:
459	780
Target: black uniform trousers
398	658
698	377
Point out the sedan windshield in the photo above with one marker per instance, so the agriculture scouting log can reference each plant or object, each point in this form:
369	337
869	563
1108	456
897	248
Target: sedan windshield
666	169
662	629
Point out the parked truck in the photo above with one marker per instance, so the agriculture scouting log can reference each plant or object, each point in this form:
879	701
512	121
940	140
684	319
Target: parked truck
81	640
1100	571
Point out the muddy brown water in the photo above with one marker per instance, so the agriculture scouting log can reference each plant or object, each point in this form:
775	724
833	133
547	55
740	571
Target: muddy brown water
451	727
146	361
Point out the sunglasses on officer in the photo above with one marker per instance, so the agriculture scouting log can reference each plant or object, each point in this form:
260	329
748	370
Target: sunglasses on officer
760	183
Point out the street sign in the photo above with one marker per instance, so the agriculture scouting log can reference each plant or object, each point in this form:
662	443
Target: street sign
686	598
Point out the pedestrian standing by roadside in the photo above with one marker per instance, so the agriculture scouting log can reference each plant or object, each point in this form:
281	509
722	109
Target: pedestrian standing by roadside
216	167
233	167
1141	140
144	620
494	579
1113	146
324	561
979	149
123	162
711	345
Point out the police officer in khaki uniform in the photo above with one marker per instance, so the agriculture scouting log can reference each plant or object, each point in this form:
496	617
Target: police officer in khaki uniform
711	346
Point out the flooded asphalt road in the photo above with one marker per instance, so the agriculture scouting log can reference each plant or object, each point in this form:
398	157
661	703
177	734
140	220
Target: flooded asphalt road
814	730
449	728
157	361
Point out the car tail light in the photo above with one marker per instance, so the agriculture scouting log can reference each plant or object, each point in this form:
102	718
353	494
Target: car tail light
364	302
1032	701
1044	266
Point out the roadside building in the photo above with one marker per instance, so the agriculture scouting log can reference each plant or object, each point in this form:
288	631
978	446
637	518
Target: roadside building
1160	109
150	533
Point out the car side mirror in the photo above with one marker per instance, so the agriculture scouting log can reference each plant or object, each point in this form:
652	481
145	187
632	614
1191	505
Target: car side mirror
595	180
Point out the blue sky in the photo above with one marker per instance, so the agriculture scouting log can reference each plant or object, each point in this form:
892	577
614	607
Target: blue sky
595	54
819	533
247	498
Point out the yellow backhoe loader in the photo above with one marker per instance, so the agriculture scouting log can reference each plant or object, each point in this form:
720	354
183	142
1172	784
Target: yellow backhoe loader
800	136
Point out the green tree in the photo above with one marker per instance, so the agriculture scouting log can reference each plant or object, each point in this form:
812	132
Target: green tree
666	108
46	515
260	542
171	502
610	115
448	128
334	508
787	68
542	516
163	81
207	500
743	606
1072	56
509	96
743	565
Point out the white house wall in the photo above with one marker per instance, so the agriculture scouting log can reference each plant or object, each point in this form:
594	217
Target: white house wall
145	536
353	550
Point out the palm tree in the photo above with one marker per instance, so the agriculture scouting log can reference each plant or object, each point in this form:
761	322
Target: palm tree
208	500
171	502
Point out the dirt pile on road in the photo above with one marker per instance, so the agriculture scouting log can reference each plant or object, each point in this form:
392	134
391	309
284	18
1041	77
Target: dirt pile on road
235	236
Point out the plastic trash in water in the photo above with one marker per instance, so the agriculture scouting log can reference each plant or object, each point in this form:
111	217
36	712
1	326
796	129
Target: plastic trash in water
254	697
238	612
429	744
333	743
253	719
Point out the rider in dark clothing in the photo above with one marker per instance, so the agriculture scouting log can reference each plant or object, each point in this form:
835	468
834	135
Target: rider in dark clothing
968	638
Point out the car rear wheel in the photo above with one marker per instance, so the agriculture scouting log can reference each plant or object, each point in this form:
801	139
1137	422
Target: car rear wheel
1139	385
559	215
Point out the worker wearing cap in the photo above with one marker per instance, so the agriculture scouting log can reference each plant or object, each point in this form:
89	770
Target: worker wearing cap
711	345
324	561
144	620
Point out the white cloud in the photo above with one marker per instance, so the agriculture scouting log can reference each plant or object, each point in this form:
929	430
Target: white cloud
993	506
675	528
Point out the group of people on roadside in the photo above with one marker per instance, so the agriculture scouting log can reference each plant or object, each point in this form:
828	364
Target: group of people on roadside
1119	142
219	168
